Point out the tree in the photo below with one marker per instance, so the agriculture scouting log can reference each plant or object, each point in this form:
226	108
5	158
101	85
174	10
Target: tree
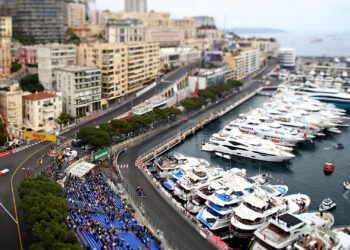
108	129
73	38
44	205
94	136
15	67
65	118
122	125
206	93
192	103
31	83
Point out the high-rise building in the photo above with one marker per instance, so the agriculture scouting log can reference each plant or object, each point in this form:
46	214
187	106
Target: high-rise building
81	89
5	26
135	5
125	67
5	58
45	20
76	14
51	57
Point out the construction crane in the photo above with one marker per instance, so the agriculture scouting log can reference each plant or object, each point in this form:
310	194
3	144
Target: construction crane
11	143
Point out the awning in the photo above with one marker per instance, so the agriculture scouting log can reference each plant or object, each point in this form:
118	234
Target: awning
80	169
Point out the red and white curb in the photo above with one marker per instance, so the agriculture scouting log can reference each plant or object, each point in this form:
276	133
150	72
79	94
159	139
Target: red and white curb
16	150
5	154
4	171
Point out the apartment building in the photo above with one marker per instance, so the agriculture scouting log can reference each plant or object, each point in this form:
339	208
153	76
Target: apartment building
41	110
45	20
76	14
81	89
128	30
135	6
125	67
26	55
166	37
252	60
5	26
11	105
5	58
51	57
204	21
174	57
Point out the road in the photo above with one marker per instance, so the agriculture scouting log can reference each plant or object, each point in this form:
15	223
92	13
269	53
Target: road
9	233
173	225
21	160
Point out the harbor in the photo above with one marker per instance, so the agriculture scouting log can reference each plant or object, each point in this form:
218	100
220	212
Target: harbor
303	174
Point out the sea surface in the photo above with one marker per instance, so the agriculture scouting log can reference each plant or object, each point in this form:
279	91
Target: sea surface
312	43
303	174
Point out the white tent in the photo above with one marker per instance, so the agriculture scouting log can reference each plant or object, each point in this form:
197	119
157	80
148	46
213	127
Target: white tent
80	169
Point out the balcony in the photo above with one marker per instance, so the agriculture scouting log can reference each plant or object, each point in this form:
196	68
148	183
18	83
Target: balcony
12	115
11	105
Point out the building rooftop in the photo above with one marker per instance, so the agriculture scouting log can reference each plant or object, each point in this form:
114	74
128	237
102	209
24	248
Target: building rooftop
39	96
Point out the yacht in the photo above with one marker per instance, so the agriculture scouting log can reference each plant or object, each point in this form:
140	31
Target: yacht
284	230
324	239
166	165
340	100
220	204
280	137
188	182
258	208
245	145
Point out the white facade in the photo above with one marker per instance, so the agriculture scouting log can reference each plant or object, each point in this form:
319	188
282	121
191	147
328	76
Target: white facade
81	89
174	57
130	30
286	57
76	14
51	57
41	110
252	60
135	6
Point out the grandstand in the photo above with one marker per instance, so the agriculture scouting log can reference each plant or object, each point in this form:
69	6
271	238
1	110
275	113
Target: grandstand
100	219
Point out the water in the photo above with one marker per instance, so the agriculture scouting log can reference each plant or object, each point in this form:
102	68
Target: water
304	43
303	174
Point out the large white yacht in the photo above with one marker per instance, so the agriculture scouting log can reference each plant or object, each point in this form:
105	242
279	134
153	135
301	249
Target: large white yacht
340	100
276	135
226	145
285	229
258	208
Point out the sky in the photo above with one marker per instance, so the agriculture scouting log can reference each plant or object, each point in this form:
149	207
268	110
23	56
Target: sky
289	15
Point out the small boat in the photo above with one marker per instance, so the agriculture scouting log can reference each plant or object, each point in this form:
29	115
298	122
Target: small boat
338	146
327	204
328	167
346	185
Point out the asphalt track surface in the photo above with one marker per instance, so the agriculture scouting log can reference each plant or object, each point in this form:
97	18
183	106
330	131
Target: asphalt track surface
156	207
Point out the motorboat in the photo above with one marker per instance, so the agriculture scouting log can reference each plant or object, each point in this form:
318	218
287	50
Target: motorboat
195	205
328	167
219	206
322	238
226	145
346	185
327	204
284	230
257	209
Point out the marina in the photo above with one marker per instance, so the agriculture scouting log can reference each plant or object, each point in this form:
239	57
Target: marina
303	174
